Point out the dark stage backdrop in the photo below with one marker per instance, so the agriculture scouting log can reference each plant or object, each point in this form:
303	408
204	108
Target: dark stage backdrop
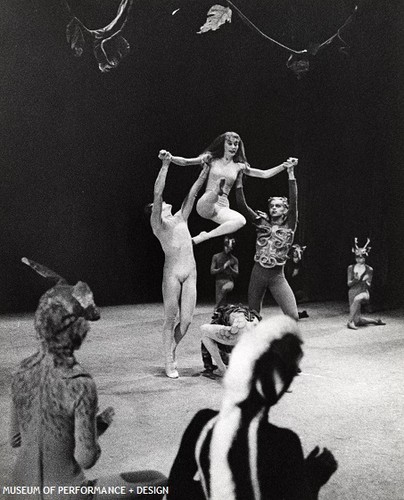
79	148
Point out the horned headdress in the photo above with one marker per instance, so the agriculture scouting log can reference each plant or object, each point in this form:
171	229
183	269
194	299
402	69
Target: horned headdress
62	305
361	251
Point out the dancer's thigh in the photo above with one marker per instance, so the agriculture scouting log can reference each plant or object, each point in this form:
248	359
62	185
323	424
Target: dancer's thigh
188	299
226	215
171	289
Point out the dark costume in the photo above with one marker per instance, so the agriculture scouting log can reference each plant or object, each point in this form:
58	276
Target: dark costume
224	277
236	454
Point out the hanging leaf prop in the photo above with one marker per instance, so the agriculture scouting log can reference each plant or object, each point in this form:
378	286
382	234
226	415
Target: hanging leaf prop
217	16
108	44
298	61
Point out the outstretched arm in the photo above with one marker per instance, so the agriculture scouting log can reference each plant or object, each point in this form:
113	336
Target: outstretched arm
270	172
189	201
292	213
241	203
185	162
159	186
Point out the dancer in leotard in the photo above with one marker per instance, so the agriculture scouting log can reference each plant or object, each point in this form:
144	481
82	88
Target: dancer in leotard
359	280
274	239
226	157
179	275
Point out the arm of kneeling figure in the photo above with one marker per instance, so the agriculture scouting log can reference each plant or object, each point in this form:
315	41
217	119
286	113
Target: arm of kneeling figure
87	450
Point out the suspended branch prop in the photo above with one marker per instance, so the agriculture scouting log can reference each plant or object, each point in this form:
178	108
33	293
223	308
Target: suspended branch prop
298	60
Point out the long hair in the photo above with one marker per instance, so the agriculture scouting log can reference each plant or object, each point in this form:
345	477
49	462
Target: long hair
216	148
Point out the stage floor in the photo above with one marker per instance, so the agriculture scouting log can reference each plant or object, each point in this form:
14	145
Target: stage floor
348	398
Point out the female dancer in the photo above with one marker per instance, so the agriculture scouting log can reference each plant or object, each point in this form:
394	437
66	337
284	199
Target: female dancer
54	417
359	281
226	157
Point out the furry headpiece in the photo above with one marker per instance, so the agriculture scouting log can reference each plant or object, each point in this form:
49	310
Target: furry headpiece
361	251
241	375
237	427
62	309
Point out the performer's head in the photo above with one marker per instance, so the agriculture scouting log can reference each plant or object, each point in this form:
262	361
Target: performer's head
228	144
264	363
278	207
361	252
296	252
228	243
62	317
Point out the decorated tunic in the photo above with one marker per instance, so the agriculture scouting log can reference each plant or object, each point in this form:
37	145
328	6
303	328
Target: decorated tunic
273	240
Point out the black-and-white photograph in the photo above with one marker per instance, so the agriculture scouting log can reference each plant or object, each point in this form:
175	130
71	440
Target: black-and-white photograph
202	228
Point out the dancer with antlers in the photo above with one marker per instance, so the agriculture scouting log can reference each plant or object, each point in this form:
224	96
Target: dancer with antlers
226	158
359	280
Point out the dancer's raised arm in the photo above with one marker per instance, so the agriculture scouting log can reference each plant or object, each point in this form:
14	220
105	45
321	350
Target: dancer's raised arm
270	172
159	186
189	201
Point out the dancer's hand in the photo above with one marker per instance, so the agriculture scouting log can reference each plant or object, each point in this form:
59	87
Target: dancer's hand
165	155
290	162
104	419
205	158
321	466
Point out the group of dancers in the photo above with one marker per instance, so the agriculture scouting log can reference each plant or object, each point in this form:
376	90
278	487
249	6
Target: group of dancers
223	164
231	454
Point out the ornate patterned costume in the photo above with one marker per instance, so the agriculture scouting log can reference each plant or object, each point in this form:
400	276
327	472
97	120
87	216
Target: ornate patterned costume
272	247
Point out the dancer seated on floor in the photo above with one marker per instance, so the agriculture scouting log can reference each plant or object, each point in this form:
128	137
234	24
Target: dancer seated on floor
179	274
236	454
228	324
275	235
54	402
226	157
359	281
224	267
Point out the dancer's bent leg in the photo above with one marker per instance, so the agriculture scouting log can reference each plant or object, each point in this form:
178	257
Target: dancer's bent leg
171	298
282	293
257	287
230	221
355	308
223	287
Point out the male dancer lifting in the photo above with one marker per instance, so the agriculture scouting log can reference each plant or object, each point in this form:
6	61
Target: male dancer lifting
179	273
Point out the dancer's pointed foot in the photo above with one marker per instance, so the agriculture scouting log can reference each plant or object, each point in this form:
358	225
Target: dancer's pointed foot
351	325
200	238
171	371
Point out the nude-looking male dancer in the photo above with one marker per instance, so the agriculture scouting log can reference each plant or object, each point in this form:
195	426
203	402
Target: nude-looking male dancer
179	274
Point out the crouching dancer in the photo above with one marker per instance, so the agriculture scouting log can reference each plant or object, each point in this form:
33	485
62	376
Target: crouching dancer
179	274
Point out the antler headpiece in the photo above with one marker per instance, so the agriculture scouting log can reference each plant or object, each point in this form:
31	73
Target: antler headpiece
361	251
